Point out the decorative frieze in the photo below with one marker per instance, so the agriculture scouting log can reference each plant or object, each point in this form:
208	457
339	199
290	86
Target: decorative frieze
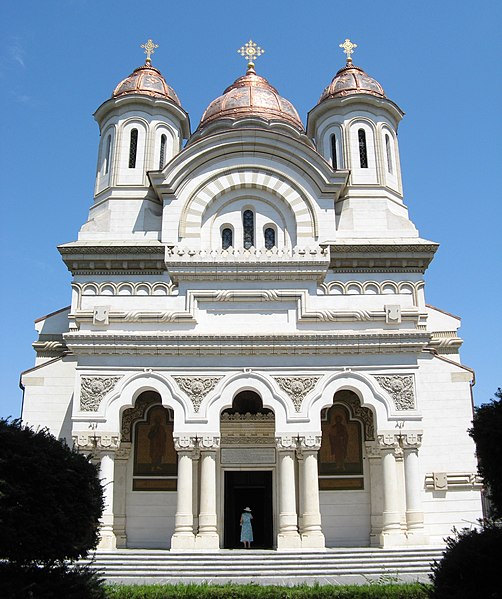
297	387
93	389
197	387
400	388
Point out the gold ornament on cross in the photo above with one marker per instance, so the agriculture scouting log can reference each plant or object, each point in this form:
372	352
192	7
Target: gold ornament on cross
348	48
149	50
250	52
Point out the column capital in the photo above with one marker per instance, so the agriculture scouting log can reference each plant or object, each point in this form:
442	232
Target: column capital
123	451
96	442
286	443
412	440
184	442
309	442
209	442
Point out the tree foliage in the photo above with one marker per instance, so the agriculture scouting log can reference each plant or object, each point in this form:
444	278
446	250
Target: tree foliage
487	434
470	567
50	498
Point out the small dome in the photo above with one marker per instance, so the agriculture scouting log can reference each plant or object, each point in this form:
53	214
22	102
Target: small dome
252	96
146	80
352	80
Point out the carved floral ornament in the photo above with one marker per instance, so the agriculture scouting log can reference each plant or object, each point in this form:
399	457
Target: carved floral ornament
93	389
400	388
197	387
297	387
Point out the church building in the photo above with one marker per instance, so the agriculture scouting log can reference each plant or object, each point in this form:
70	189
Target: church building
248	328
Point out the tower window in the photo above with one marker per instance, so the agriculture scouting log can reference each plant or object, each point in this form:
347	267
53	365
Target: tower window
248	228
226	238
389	154
269	235
133	148
162	156
363	151
107	155
334	160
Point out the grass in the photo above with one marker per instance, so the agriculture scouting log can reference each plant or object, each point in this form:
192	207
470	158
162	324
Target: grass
251	591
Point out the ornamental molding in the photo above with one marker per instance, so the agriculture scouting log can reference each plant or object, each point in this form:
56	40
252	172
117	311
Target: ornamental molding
443	481
125	288
93	389
445	342
186	264
111	343
250	440
50	346
374	287
96	441
197	387
400	388
297	387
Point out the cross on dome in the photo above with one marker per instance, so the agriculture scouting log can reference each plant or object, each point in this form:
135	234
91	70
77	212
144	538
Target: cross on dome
250	52
149	50
348	49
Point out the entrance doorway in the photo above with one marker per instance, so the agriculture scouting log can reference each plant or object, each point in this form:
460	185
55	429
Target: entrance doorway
248	489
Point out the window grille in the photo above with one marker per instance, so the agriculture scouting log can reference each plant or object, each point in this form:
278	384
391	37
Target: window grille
133	148
226	238
162	156
269	235
248	228
363	152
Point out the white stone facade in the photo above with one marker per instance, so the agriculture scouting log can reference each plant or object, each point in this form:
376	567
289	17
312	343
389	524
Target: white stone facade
327	310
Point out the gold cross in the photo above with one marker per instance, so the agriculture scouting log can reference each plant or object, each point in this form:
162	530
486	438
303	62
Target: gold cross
348	48
250	52
149	49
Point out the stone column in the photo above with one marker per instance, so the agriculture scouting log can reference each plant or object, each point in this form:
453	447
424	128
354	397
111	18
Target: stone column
207	537
119	495
103	446
374	457
391	524
107	474
413	486
310	531
288	537
183	537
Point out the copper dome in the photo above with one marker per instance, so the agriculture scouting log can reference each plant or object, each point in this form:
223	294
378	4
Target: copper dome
146	80
352	80
251	96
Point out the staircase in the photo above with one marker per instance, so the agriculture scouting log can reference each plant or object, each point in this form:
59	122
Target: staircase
333	566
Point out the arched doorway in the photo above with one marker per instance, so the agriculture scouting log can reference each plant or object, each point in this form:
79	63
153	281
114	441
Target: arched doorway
248	460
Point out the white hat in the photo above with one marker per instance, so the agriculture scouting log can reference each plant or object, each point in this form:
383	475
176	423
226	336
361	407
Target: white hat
247	509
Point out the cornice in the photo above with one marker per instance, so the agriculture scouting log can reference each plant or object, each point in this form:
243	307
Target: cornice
381	342
113	257
381	256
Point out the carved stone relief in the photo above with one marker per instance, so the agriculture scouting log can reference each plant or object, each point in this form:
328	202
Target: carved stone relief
297	387
197	387
93	389
96	441
400	388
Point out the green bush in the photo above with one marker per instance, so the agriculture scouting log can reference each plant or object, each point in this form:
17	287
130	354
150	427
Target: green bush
253	591
50	498
471	565
57	582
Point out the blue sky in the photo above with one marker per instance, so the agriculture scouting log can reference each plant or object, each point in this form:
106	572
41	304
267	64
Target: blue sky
438	60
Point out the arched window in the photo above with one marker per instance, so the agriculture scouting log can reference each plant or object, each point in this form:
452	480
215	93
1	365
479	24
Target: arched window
389	153
226	238
107	155
162	156
248	228
269	235
133	148
334	160
363	152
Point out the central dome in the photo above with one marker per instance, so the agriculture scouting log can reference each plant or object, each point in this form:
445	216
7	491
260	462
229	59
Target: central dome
252	96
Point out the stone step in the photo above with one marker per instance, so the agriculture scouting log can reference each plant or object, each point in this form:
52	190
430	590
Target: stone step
336	566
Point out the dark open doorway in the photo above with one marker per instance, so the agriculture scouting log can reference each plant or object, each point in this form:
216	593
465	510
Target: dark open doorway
248	489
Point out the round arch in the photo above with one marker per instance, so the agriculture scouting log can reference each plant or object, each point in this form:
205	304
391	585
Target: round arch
237	178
